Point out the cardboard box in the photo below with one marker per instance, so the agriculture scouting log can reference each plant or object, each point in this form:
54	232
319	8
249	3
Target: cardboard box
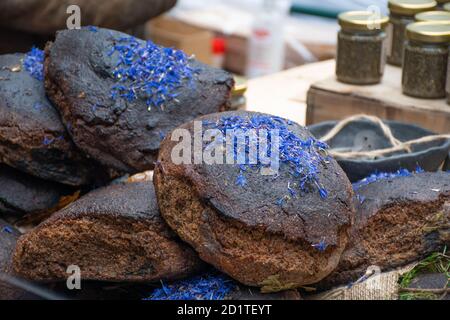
169	32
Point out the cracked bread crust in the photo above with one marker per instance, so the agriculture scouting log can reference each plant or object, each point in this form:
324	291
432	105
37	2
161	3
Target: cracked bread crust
118	133
112	234
32	137
23	194
398	221
242	231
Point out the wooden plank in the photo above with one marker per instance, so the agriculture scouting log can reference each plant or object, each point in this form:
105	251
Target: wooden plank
284	94
331	100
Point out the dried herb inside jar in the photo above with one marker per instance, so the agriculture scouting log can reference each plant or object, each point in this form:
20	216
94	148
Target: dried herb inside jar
447	87
402	13
361	48
425	60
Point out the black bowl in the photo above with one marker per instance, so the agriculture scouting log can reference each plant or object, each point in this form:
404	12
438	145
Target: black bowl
364	135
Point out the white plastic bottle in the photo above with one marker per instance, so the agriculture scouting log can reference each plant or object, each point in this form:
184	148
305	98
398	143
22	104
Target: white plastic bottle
266	47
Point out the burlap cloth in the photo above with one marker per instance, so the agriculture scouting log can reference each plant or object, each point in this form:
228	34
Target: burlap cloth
379	286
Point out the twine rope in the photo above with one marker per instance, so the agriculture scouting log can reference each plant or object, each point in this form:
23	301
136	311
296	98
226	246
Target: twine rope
397	145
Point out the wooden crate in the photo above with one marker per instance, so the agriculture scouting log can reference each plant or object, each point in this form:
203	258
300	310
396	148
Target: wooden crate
331	100
170	32
284	94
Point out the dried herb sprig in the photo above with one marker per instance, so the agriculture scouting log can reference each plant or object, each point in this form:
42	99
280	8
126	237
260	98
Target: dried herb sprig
145	70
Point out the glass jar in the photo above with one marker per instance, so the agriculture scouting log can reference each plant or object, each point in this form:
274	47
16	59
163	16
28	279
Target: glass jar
361	48
447	87
433	16
402	13
425	60
441	4
238	99
447	6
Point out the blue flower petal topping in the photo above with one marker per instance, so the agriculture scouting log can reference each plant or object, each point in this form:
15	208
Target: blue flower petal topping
209	286
146	71
34	63
301	157
241	180
321	246
7	229
383	176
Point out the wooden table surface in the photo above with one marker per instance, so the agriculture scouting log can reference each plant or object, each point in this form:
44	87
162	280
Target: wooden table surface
284	94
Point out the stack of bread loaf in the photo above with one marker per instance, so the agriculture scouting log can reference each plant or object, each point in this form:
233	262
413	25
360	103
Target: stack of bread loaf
98	104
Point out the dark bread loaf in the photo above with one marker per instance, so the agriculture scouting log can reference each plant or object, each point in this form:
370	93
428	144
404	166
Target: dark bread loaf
112	234
399	220
8	238
23	194
119	113
266	231
32	137
48	16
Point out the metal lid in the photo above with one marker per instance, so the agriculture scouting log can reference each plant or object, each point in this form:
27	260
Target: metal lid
411	7
429	32
240	86
442	1
433	16
362	20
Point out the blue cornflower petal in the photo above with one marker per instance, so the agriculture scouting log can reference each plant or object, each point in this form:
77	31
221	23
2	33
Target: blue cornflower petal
147	71
33	63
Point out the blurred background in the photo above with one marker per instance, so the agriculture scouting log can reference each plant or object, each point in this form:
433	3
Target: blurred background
296	31
247	37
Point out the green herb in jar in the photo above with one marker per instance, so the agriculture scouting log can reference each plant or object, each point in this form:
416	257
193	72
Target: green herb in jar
402	13
361	48
447	87
425	60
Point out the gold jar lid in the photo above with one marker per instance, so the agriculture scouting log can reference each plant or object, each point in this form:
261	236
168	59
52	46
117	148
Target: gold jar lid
429	31
447	6
362	20
411	7
442	1
433	16
240	86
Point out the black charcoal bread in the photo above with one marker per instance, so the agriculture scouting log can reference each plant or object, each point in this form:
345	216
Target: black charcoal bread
399	220
8	239
112	234
277	231
119	96
32	137
22	194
